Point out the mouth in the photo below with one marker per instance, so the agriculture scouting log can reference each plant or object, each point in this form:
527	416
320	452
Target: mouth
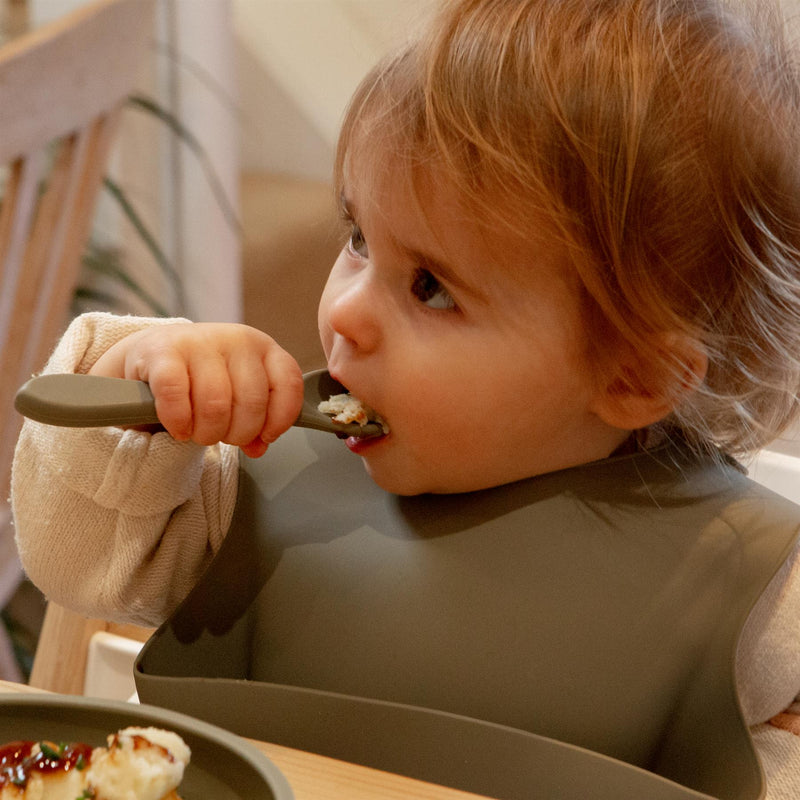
346	408
361	444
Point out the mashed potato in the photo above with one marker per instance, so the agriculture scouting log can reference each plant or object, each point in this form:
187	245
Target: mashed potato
138	764
346	408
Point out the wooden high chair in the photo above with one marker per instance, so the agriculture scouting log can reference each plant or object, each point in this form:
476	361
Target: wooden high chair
62	654
62	88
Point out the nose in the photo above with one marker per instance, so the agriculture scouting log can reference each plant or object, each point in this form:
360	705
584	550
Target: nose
353	309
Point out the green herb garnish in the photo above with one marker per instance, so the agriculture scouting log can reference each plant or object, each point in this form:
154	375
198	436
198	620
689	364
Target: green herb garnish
48	752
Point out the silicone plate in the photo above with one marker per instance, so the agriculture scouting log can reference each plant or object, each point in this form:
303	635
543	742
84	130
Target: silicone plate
223	766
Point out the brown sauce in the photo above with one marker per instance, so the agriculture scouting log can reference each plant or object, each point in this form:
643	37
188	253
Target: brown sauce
18	761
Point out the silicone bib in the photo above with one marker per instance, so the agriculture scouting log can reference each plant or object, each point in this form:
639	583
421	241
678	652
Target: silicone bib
572	635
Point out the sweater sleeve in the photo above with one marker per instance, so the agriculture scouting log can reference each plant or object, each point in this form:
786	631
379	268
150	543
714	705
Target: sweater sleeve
768	677
778	746
117	524
768	656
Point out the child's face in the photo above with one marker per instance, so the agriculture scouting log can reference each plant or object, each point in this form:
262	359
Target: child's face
469	343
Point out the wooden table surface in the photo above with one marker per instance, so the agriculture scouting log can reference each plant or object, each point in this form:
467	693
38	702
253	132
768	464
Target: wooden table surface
314	777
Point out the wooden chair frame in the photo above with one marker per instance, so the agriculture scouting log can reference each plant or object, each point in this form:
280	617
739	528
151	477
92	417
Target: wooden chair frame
61	105
62	90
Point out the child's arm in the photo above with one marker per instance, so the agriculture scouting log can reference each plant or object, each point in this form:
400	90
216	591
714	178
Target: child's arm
778	747
117	524
768	677
768	654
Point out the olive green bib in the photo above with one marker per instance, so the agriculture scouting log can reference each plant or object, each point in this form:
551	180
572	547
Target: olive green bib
568	636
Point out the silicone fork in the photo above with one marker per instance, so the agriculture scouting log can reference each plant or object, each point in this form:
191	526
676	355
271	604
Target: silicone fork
92	401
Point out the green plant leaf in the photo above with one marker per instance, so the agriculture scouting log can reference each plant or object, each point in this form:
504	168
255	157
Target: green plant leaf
106	263
180	130
116	191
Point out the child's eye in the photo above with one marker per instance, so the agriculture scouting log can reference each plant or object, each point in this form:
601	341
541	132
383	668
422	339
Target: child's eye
427	289
357	243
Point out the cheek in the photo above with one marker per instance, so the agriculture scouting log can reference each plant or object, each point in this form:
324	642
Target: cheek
438	419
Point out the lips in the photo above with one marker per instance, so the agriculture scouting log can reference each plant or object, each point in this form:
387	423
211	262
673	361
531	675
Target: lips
360	444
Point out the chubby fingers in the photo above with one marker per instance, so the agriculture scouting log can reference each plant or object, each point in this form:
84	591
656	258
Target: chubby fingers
211	400
170	384
267	394
278	411
247	399
285	394
213	382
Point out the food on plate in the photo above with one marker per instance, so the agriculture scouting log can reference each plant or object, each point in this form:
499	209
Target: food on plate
346	408
137	764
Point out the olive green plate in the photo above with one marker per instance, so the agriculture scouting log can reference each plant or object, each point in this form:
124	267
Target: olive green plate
223	766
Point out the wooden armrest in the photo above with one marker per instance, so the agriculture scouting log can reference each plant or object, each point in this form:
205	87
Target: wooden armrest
60	661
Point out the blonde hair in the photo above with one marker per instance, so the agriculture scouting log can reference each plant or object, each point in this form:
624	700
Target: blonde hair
661	138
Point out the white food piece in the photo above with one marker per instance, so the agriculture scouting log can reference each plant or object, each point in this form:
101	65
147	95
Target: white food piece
139	764
346	408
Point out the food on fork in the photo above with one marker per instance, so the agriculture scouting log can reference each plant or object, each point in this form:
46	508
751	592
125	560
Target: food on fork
137	764
346	408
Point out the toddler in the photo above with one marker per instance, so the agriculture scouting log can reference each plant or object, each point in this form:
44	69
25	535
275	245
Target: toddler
573	234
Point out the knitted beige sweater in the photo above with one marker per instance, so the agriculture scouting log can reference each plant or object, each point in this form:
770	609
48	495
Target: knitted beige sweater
120	524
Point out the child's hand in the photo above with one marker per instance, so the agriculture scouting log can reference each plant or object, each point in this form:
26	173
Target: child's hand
212	382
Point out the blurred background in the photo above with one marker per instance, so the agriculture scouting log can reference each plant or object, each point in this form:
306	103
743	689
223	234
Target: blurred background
260	86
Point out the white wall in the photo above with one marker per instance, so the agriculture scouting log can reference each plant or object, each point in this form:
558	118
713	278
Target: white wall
299	62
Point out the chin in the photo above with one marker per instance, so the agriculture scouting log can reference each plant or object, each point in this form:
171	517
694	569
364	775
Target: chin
396	482
405	485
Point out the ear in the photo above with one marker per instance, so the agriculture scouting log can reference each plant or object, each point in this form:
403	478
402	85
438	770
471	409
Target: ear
645	388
